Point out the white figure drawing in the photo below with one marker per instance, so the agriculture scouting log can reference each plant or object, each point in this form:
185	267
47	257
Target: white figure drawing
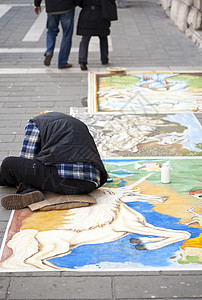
144	99
130	130
108	220
158	82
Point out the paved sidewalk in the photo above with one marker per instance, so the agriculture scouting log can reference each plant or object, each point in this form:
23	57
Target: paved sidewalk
144	39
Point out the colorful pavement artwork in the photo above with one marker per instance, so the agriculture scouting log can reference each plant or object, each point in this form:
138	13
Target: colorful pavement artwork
143	135
138	223
139	122
145	92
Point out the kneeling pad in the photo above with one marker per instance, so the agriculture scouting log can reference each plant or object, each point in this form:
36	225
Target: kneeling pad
56	201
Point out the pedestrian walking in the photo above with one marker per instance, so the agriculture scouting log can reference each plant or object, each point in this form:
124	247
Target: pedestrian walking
95	20
58	12
58	155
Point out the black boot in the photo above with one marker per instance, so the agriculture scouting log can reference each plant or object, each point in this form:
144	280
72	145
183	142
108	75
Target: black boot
83	67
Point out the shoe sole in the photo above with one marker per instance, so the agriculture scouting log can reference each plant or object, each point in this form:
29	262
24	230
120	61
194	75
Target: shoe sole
19	201
47	60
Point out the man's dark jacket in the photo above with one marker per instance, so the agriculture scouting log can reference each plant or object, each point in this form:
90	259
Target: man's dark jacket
65	139
54	6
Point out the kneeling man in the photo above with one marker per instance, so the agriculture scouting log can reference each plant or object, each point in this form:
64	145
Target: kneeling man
58	155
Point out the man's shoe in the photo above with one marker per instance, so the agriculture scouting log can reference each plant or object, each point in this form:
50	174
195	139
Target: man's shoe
105	62
19	201
47	60
83	67
68	65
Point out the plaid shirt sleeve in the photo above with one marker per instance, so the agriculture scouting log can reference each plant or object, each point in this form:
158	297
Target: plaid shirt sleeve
32	142
83	171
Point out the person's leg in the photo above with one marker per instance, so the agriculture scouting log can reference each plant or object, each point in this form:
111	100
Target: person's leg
15	170
32	174
83	51
33	177
2	183
67	23
71	186
12	172
104	50
52	32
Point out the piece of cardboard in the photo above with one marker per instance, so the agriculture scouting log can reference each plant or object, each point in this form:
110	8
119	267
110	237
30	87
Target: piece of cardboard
57	201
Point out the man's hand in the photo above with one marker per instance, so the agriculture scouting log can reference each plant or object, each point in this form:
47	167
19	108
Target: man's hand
37	9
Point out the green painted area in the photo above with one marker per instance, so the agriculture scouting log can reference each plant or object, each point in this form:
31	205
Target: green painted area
199	146
185	173
190	259
193	81
171	127
120	81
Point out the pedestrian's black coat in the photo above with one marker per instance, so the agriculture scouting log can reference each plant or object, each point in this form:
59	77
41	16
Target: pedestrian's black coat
109	10
65	139
54	6
91	22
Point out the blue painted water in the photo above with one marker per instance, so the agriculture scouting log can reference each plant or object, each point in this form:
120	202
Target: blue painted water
122	250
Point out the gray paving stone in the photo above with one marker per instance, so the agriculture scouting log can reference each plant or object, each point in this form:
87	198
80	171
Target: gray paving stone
12	101
157	287
10	130
4	284
13	110
3	154
3	224
3	93
15	117
198	116
11	146
5	123
60	288
182	273
6	138
52	98
13	152
36	274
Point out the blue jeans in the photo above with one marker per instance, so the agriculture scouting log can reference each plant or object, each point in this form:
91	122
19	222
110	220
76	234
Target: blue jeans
67	23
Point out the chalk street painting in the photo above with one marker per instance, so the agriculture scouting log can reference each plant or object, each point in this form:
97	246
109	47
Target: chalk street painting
145	92
138	223
143	135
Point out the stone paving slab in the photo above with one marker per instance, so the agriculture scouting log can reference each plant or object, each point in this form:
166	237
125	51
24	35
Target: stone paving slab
60	288
105	286
138	287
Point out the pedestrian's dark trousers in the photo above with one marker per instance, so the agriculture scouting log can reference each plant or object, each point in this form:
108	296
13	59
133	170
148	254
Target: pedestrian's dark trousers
30	174
83	49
